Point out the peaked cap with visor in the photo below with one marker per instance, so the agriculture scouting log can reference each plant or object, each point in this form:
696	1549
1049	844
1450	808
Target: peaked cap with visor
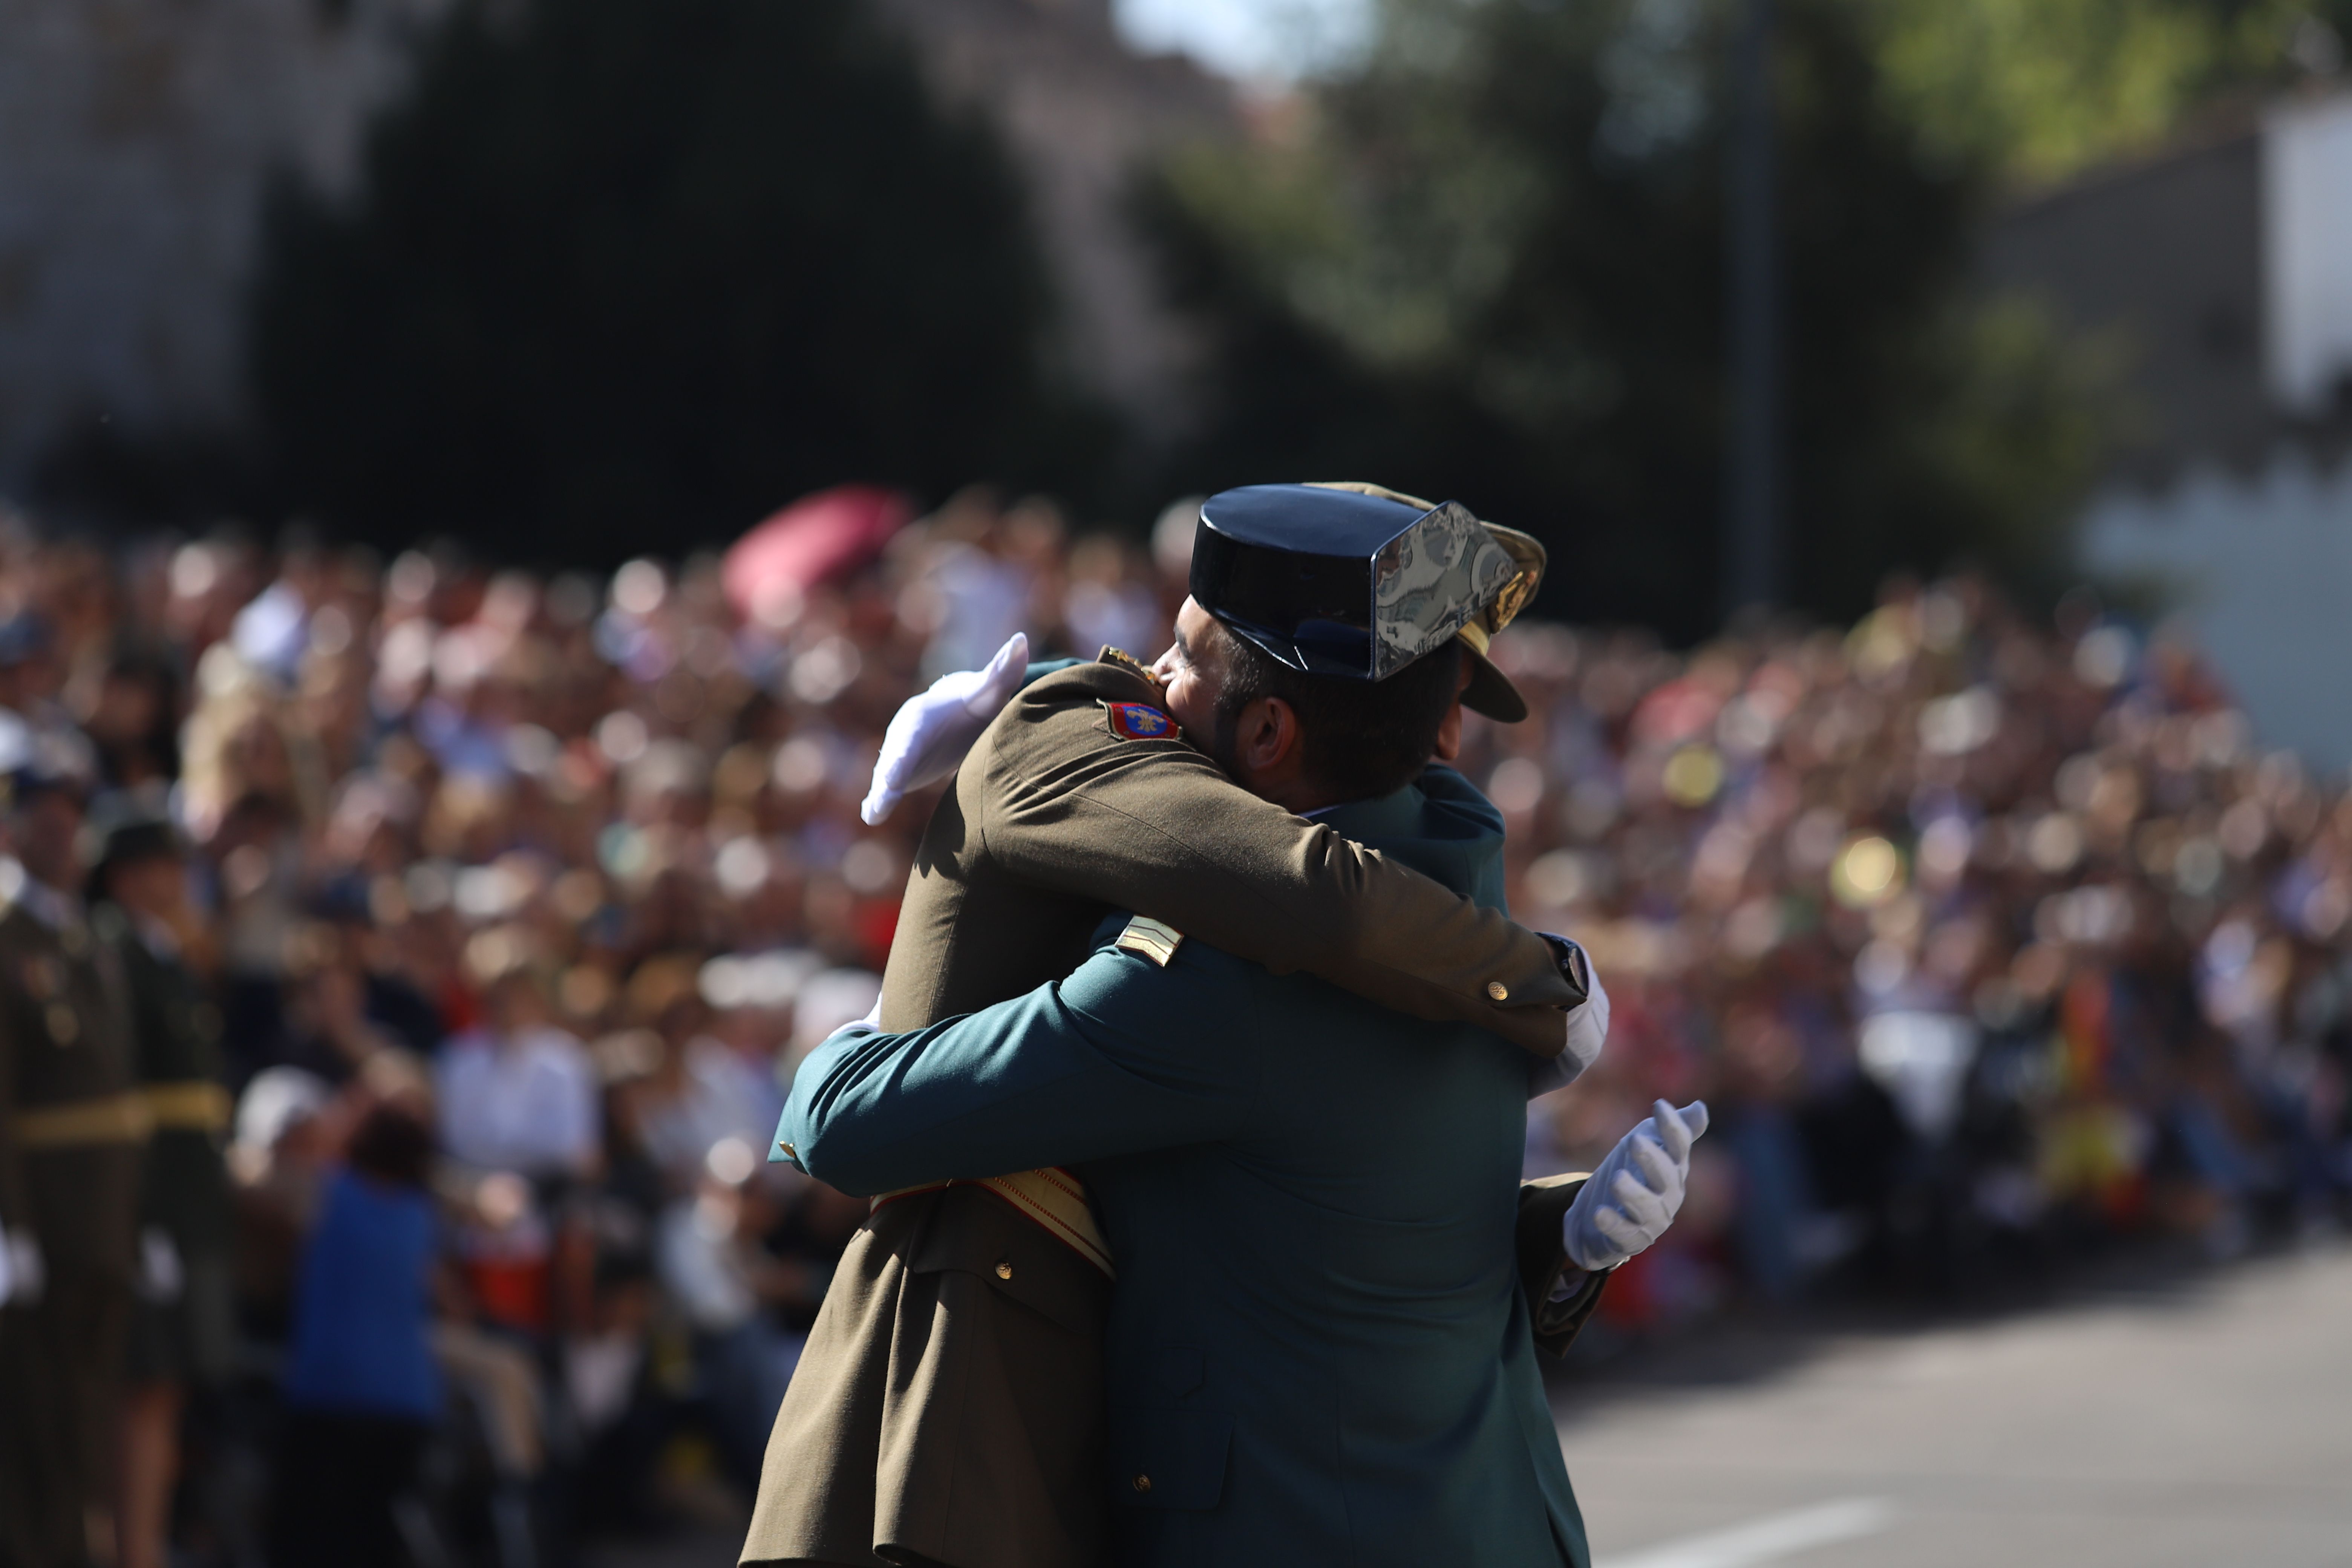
1351	579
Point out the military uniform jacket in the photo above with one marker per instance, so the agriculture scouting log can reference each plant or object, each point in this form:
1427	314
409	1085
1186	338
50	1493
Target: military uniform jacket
175	1048
78	1123
948	1406
1319	1350
74	1130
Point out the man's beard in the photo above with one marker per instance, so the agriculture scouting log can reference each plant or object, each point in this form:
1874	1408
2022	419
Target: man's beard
1219	743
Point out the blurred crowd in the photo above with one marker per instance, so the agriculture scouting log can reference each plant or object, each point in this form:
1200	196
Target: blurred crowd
501	906
1992	943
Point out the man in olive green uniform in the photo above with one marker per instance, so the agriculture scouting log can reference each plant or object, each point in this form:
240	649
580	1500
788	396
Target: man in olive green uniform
949	1407
20	1285
78	1126
181	1333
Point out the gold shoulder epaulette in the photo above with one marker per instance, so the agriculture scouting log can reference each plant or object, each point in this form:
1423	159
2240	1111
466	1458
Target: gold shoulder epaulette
1126	661
1152	940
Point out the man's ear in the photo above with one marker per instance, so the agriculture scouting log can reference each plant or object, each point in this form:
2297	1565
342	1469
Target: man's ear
1449	736
1449	732
1266	740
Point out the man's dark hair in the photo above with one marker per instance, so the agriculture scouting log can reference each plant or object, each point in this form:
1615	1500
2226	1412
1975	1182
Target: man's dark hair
392	1144
1362	739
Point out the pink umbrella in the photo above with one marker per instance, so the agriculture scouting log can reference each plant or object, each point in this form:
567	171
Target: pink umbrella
819	536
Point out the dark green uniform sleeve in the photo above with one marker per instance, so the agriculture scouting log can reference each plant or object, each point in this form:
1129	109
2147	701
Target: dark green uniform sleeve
1059	800
1543	1259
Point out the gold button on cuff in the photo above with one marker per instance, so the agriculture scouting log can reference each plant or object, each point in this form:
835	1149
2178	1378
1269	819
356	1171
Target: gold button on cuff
787	1151
1143	1483
1499	991
1004	1271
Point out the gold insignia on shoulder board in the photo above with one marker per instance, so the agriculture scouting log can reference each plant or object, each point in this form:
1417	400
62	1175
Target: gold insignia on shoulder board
1126	661
1152	940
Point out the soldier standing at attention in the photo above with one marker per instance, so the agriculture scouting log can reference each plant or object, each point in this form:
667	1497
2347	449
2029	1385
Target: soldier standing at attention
19	1289
78	1126
181	1333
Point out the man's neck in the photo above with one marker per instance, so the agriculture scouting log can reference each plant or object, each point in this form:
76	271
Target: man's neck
1300	801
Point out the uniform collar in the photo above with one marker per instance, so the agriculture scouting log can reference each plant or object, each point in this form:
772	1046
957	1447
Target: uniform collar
1439	826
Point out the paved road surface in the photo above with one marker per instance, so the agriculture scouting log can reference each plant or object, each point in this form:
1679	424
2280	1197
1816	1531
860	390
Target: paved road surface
2208	1424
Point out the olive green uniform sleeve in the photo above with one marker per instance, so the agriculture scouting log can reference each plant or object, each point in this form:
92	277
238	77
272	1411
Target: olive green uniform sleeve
1053	800
12	1199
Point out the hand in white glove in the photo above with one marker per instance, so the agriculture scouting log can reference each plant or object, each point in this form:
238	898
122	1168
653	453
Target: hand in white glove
929	735
1637	1191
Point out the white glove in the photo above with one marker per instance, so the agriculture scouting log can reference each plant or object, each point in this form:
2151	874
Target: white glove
929	735
161	1276
1637	1191
24	1250
1588	1023
1586	1026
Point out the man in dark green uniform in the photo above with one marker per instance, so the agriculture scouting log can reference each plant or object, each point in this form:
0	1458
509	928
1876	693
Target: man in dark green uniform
181	1334
78	1126
948	1404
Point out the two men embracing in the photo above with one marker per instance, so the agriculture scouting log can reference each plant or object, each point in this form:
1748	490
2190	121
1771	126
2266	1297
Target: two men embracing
1192	1111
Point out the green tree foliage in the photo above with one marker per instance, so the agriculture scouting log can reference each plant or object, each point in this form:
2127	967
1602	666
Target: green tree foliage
2040	89
628	273
1488	263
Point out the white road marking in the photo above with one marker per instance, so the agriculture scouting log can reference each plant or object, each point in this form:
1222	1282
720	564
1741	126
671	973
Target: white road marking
1766	1539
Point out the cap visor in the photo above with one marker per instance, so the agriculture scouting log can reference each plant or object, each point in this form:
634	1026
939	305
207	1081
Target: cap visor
1490	692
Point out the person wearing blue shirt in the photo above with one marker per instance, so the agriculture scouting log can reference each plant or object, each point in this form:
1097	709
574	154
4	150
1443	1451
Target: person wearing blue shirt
361	1390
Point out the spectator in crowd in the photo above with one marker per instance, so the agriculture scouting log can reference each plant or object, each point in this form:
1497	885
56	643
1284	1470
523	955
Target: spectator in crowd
516	1092
361	1387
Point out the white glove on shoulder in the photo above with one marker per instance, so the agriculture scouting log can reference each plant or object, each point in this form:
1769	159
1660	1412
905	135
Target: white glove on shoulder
1636	1192
929	736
